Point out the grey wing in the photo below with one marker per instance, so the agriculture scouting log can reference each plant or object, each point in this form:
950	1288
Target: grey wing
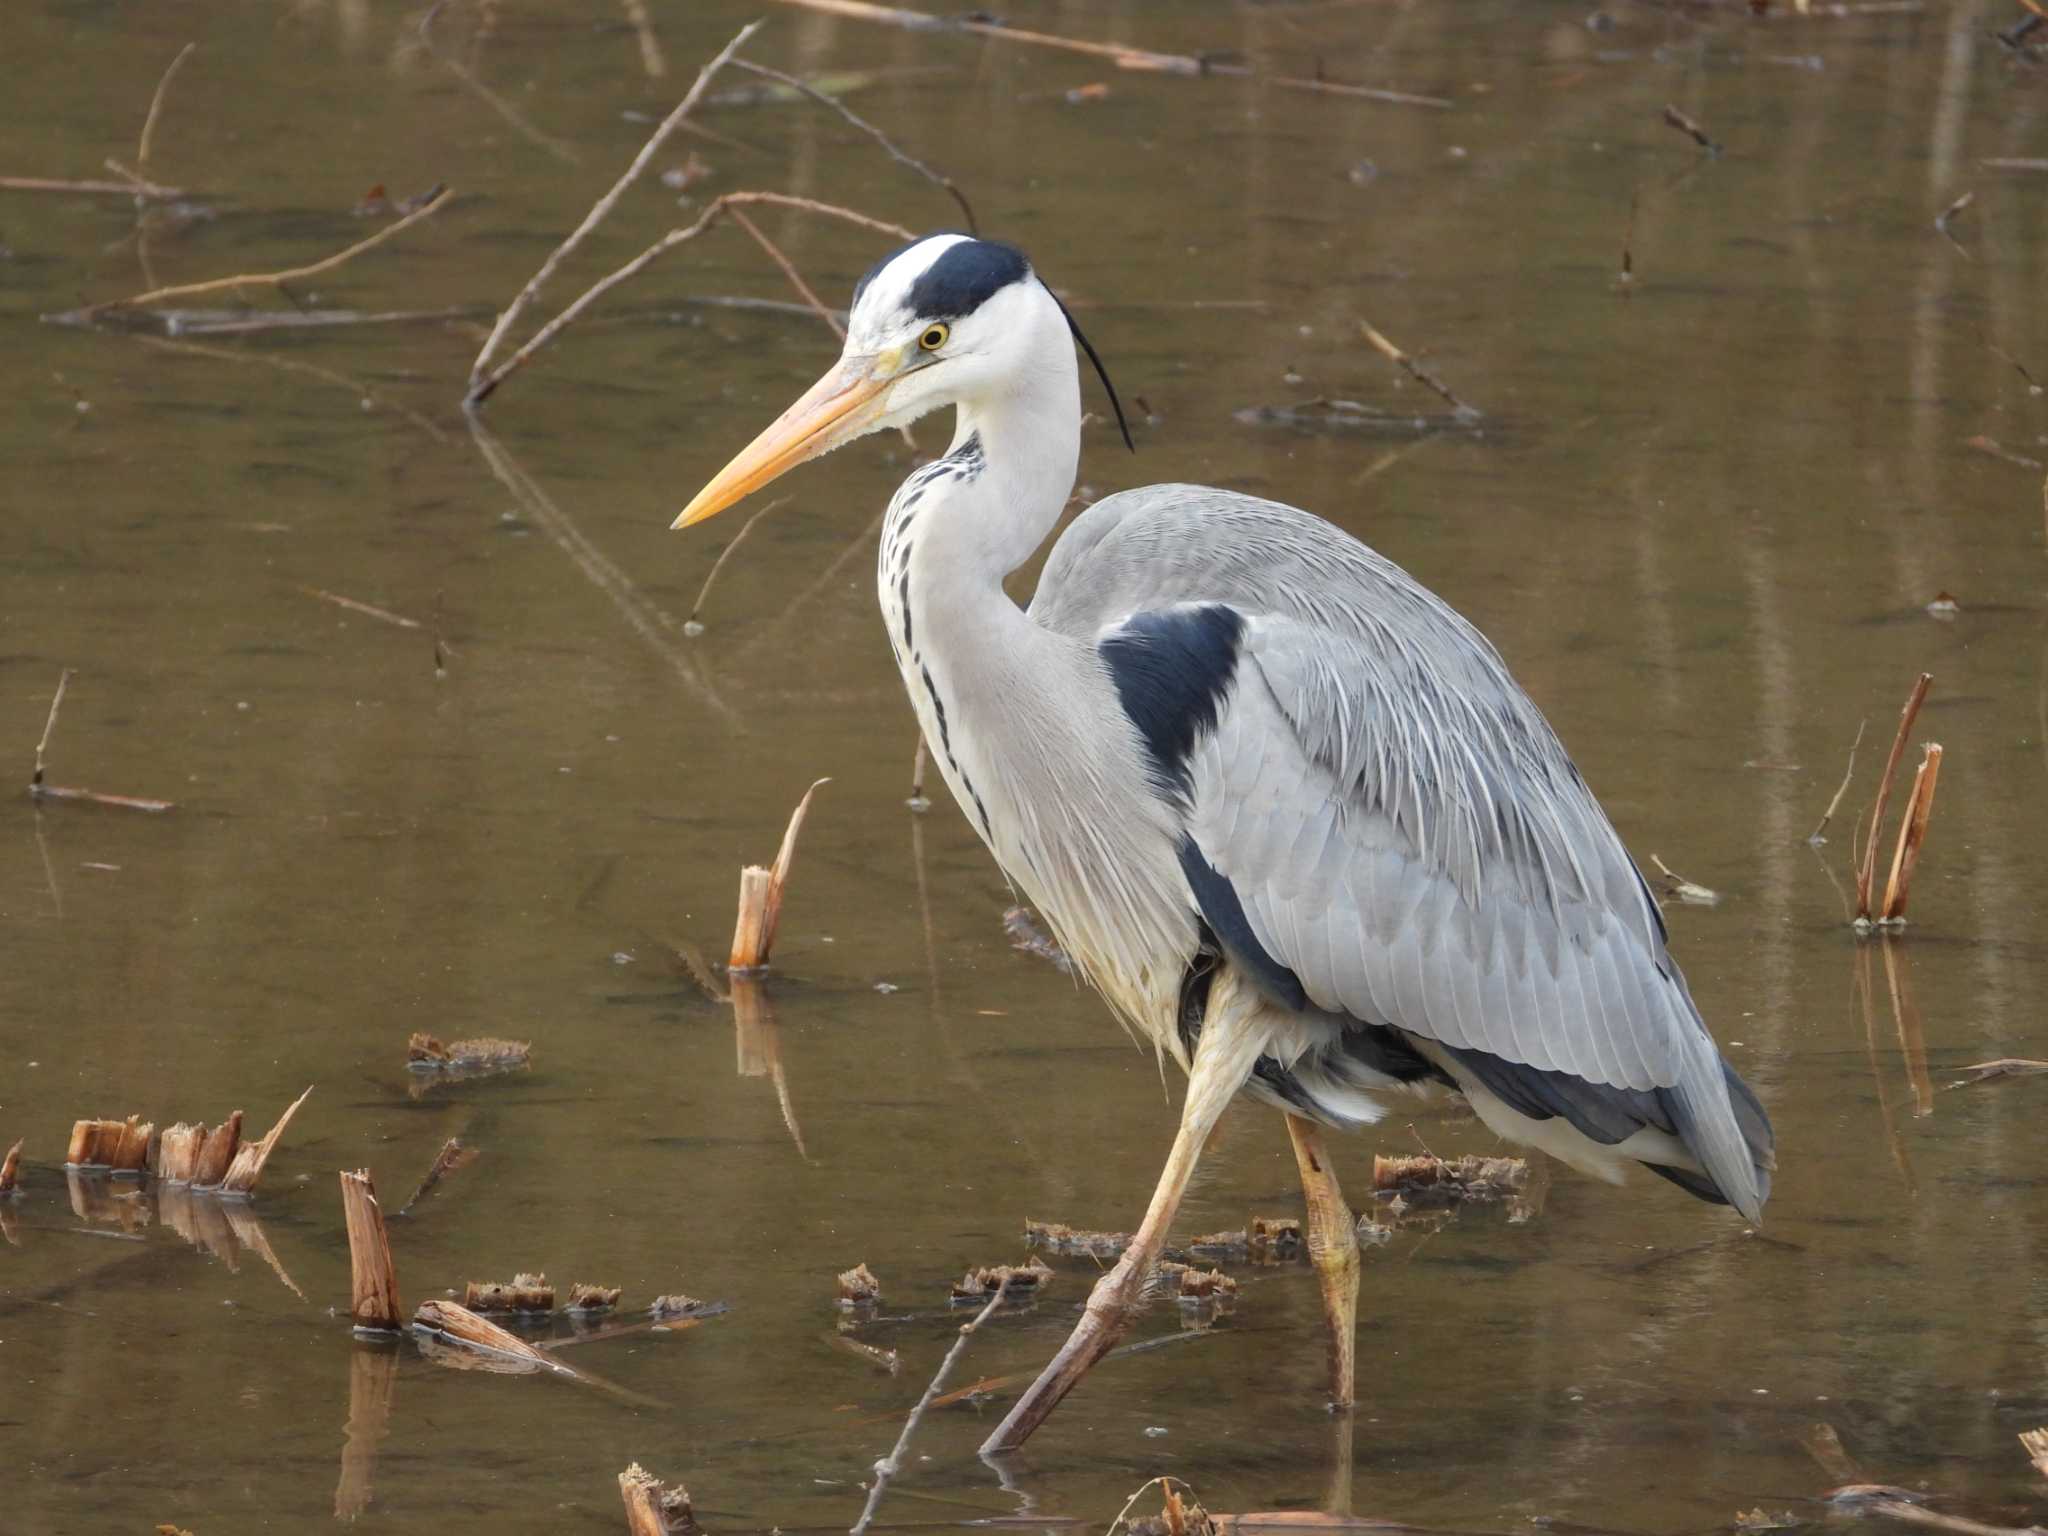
1381	825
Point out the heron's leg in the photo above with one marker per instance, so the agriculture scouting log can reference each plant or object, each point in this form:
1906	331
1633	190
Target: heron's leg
1223	1060
1333	1249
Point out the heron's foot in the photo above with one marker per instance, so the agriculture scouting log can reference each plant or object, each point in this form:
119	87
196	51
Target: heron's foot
1333	1250
1106	1318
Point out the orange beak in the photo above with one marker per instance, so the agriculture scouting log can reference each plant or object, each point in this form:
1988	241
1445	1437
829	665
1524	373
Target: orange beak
832	411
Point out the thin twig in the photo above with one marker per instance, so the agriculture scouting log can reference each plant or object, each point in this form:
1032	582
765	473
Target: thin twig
1416	371
156	107
891	1464
1690	129
691	626
489	97
1122	55
1866	871
433	203
596	216
49	726
1947	215
788	269
361	390
646	618
652	59
1848	773
868	128
148	189
364	608
716	210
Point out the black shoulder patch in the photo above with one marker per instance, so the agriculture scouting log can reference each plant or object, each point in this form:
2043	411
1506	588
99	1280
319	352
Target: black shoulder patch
1224	914
1172	668
965	277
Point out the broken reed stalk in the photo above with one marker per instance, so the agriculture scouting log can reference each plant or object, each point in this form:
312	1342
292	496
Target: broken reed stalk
247	1167
480	385
654	1508
868	128
452	1156
483	388
891	1464
144	189
1416	371
373	1305
761	892
35	783
1912	833
1841	789
1866	870
10	1168
435	199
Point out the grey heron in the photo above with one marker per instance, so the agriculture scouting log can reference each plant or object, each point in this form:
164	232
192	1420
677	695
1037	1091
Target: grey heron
1286	810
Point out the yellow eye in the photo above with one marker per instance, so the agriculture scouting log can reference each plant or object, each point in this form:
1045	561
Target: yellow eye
934	337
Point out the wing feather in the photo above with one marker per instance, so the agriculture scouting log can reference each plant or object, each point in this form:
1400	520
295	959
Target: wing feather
1403	829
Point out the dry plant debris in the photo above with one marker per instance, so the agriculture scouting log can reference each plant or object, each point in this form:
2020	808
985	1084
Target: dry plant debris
486	1053
654	1508
1178	1517
2035	1443
1028	1278
1225	1247
676	1305
587	1299
10	1167
373	1280
525	1293
1681	889
1272	1239
858	1287
1431	1180
1057	1237
2005	1066
122	1145
1204	1285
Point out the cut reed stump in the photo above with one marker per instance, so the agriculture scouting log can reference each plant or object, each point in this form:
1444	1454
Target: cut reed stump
525	1294
858	1287
487	1053
1432	1180
1026	1279
761	891
373	1283
586	1300
10	1167
654	1508
121	1145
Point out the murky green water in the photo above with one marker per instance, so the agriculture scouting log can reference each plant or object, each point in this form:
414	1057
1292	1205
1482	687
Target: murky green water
1702	522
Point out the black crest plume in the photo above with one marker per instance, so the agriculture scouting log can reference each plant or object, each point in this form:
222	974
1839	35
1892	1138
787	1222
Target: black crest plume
1100	371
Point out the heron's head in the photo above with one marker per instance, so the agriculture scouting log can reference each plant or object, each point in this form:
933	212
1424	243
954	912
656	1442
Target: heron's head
945	319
